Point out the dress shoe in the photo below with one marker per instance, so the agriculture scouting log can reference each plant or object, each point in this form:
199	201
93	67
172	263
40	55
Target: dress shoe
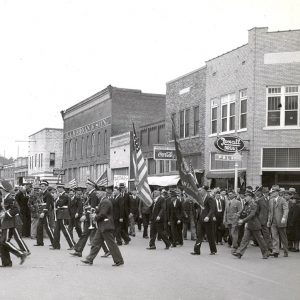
6	266
126	243
119	244
87	262
212	253
76	254
120	263
28	253
151	248
146	237
54	248
195	253
37	245
265	256
107	254
294	250
167	247
274	255
173	246
238	255
285	255
23	258
72	248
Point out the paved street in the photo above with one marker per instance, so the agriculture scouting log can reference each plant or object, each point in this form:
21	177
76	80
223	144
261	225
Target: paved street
160	274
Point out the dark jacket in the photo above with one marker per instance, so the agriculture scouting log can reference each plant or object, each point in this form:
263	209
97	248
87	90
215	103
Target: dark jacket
48	202
143	208
263	210
124	205
62	207
134	205
209	209
158	208
250	210
9	220
116	207
75	207
104	217
176	211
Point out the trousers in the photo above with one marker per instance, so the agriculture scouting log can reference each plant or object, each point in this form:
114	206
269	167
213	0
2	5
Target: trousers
44	223
60	225
158	228
279	232
202	229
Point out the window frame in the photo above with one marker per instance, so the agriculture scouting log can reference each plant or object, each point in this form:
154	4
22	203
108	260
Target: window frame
228	100
196	123
243	98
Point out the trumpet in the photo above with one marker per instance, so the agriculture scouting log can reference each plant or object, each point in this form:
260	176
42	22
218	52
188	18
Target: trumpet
93	224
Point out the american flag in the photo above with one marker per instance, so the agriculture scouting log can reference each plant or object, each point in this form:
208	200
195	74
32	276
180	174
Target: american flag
73	184
192	171
102	180
140	170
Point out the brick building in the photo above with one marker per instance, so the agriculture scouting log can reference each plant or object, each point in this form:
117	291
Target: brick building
45	154
253	92
89	125
185	103
7	172
21	170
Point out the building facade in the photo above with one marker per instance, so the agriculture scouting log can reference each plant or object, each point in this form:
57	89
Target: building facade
8	173
45	154
253	92
186	105
21	171
90	124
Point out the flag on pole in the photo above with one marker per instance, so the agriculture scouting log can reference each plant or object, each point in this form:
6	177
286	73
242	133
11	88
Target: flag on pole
140	170
73	184
188	181
103	179
193	172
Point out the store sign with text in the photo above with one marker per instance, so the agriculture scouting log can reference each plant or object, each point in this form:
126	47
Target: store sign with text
229	144
160	153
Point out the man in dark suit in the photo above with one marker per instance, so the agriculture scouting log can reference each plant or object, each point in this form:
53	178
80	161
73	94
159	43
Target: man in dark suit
44	209
157	219
105	232
124	206
62	215
249	216
205	223
75	209
133	212
8	212
220	209
144	214
176	218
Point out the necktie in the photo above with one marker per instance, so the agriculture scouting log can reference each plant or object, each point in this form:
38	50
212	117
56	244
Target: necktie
219	206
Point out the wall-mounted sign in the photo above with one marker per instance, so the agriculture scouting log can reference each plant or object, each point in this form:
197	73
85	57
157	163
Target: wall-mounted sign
121	179
229	144
164	153
57	172
229	157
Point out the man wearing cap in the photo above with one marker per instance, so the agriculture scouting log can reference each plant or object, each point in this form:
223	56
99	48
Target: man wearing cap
62	215
249	217
8	214
176	218
157	219
76	211
105	232
44	208
205	223
277	220
90	205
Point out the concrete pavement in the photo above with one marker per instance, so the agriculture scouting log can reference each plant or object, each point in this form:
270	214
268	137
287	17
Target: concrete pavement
157	274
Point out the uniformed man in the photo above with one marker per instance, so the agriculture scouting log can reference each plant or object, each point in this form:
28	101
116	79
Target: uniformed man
89	227
44	208
8	212
75	209
61	216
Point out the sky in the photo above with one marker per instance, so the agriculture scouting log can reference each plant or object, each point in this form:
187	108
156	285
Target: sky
56	53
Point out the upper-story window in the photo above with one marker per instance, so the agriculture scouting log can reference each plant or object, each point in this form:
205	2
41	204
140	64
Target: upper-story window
196	120
75	149
283	106
228	113
243	109
173	118
105	142
82	147
87	152
184	123
70	149
99	144
93	144
214	116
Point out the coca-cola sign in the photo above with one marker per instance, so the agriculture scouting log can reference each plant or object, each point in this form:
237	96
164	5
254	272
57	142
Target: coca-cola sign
165	153
229	144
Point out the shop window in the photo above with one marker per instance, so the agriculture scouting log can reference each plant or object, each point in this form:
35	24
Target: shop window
281	158
52	159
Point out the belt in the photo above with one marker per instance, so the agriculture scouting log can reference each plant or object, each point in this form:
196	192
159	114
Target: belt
62	207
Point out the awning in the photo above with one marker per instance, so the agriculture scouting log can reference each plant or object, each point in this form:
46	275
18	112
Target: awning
168	180
230	174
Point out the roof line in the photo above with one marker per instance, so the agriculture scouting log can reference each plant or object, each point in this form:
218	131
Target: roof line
47	128
187	74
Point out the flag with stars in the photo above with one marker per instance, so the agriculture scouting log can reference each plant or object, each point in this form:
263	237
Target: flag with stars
140	170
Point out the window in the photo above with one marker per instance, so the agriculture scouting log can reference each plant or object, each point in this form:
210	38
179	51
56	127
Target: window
75	149
187	123
228	112
93	144
196	120
65	150
161	134
105	143
281	158
243	109
35	159
173	118
214	116
70	150
99	144
181	124
283	106
41	160
161	166
52	159
87	146
184	123
82	147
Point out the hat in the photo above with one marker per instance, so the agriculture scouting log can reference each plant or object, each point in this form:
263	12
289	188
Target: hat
61	185
121	185
44	182
205	187
249	193
292	190
265	189
5	185
275	188
174	193
242	191
249	188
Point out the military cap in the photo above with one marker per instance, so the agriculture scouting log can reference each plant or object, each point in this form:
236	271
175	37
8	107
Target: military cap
44	182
